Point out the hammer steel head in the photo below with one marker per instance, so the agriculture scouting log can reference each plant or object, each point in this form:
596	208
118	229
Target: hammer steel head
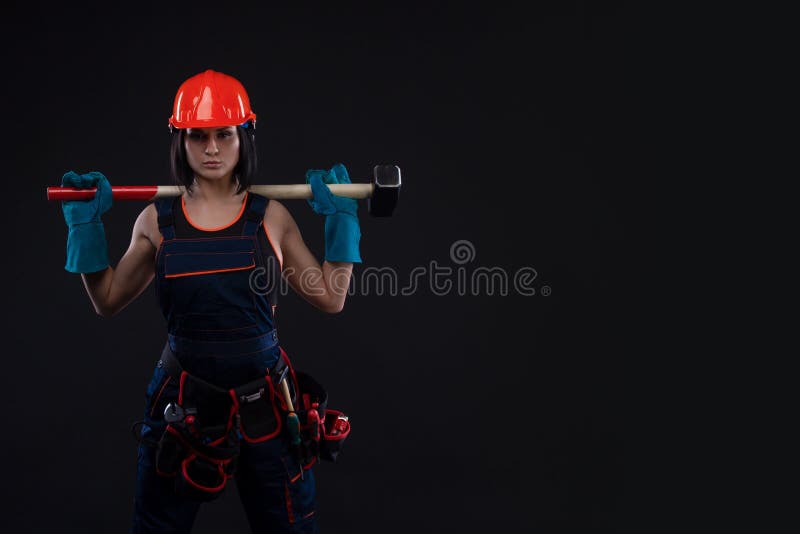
387	190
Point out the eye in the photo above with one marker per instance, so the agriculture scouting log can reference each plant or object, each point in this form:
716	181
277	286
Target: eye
224	134
196	136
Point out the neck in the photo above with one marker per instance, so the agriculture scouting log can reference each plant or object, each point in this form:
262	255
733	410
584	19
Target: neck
214	190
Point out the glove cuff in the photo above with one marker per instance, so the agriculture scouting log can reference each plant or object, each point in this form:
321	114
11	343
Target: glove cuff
342	235
87	251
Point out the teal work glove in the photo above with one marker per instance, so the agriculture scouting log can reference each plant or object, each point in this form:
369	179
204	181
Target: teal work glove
87	251
342	231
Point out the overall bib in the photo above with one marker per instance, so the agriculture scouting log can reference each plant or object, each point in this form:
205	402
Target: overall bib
217	289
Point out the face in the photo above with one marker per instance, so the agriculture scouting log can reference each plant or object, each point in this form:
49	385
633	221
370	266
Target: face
212	153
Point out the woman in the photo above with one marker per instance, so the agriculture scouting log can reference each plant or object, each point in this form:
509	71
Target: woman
216	253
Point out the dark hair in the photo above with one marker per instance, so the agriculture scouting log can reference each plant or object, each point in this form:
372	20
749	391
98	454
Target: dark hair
245	170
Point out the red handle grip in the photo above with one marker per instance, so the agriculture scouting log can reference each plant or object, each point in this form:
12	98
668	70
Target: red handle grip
118	192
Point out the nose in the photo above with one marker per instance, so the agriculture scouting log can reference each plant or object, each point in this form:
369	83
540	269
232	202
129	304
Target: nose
211	146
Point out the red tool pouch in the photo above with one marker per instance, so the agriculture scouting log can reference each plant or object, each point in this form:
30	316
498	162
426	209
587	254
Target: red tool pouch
260	416
200	444
335	431
319	439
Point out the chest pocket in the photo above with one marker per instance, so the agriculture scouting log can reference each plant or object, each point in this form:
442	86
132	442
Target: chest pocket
197	257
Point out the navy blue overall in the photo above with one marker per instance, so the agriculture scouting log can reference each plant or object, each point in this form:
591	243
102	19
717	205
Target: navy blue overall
217	289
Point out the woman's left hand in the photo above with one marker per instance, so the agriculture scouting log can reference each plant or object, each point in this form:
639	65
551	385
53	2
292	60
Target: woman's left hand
342	231
325	202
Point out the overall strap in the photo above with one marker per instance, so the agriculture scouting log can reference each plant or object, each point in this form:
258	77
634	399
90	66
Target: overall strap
166	219
255	215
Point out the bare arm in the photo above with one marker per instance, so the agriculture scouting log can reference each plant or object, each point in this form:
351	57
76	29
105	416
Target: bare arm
113	289
324	286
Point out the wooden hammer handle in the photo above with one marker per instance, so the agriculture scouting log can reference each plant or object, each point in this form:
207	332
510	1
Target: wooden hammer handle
286	395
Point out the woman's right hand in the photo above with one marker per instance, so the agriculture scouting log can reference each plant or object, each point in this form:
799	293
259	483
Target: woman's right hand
85	211
87	251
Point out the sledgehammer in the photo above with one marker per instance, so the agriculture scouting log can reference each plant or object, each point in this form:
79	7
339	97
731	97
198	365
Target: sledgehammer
381	194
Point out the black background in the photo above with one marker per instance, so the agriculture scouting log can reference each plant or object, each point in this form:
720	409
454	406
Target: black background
513	129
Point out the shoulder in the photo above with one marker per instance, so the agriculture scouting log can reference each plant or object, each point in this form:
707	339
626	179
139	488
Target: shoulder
280	227
146	224
277	217
148	217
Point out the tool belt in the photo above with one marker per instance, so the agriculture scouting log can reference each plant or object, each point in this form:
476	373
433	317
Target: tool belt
201	443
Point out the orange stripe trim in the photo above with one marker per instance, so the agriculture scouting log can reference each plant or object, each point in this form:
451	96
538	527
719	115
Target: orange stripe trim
195	273
289	510
215	229
278	254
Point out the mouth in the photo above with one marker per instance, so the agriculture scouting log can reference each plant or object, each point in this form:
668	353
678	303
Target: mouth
212	164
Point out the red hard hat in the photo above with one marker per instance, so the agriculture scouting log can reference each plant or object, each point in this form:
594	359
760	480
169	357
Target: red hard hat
211	99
